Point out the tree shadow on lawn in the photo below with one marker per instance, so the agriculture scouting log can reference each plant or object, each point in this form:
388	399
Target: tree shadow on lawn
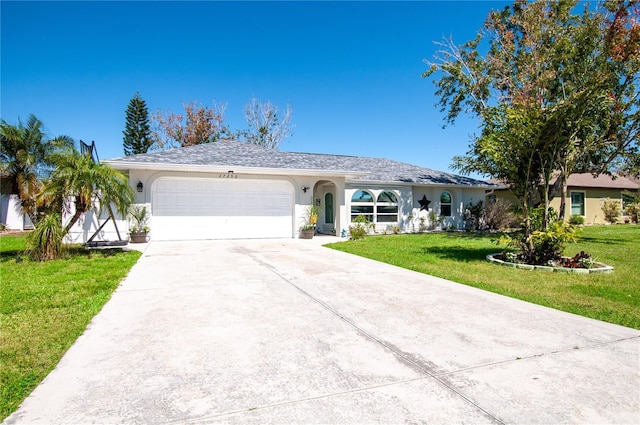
475	235
462	254
10	255
602	240
68	253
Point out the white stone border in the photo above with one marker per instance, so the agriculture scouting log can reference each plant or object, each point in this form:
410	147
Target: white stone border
597	267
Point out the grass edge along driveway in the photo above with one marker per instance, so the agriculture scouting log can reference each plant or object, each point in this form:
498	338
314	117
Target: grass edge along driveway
45	307
461	257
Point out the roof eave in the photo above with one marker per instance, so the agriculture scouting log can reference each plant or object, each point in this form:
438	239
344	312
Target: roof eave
206	168
403	183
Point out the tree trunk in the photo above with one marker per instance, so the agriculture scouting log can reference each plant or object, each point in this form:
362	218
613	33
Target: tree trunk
73	221
563	200
81	208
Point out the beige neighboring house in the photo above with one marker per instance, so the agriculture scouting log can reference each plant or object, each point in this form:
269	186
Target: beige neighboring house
585	195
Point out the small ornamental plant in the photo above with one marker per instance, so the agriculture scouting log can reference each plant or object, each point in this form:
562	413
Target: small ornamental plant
138	218
310	218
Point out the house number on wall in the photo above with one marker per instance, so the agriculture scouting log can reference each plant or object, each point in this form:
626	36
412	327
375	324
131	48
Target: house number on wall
227	176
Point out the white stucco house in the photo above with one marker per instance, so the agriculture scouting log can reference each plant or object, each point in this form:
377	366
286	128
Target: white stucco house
230	189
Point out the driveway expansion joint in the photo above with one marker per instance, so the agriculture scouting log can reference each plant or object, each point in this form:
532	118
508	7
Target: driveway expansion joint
404	357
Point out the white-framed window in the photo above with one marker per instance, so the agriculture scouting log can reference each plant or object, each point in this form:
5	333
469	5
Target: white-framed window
445	204
626	200
362	204
383	209
387	208
577	203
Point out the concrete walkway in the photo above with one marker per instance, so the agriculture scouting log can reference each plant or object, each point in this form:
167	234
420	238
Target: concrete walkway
287	331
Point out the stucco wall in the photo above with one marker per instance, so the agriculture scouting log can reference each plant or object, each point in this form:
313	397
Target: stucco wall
11	212
594	198
90	222
409	207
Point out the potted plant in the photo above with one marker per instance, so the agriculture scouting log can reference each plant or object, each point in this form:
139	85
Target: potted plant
138	228
308	229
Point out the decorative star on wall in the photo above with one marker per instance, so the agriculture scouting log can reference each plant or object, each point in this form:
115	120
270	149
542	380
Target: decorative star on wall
424	203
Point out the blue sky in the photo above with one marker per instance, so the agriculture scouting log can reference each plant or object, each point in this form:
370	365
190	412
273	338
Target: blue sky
351	71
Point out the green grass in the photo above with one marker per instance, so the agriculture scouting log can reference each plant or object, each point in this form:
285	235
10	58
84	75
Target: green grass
45	307
460	257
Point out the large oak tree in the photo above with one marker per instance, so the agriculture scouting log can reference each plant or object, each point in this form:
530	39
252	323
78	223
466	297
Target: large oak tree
555	89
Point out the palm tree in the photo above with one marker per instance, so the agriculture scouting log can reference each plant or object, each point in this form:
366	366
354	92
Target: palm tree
85	185
24	152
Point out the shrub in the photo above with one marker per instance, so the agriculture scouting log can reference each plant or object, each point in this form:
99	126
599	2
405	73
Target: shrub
361	227
395	229
632	207
546	246
473	216
611	209
576	220
537	217
542	247
435	219
422	221
45	242
498	215
633	210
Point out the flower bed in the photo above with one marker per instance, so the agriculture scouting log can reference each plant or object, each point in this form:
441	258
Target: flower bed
593	267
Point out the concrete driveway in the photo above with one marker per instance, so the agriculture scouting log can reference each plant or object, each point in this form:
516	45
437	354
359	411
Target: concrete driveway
287	331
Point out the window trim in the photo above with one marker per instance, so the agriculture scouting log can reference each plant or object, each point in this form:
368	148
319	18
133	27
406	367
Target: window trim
374	204
379	204
449	204
371	204
629	200
584	202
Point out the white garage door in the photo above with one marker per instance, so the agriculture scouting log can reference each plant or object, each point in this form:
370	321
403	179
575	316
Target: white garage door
220	208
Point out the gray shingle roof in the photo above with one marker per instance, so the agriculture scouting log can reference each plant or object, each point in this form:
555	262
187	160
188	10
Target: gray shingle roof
239	154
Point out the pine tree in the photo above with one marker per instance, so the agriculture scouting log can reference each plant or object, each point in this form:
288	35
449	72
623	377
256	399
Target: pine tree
137	132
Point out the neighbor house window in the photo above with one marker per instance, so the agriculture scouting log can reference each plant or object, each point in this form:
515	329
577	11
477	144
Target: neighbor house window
577	203
383	209
445	204
387	208
626	201
362	204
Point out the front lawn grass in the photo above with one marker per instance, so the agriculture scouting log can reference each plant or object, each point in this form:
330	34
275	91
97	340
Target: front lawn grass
461	257
45	307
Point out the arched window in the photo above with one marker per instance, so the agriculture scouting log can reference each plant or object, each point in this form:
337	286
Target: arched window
445	204
362	204
383	209
387	208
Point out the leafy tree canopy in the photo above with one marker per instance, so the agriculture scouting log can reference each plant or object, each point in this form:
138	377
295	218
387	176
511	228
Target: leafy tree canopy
80	184
24	159
199	124
555	89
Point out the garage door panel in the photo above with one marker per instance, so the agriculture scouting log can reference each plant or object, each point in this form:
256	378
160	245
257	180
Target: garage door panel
203	208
